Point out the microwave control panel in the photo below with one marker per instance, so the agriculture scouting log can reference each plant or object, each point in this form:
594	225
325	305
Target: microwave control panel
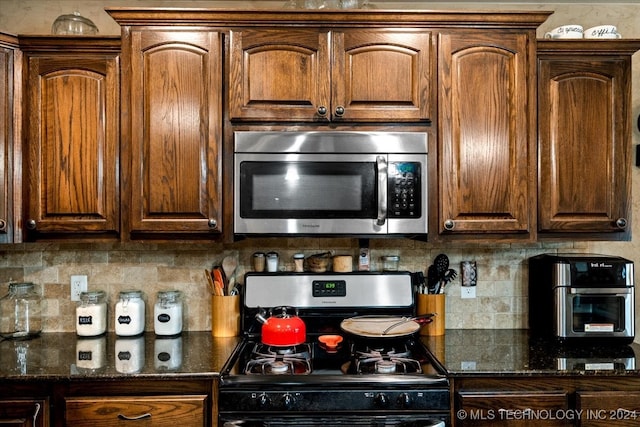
404	190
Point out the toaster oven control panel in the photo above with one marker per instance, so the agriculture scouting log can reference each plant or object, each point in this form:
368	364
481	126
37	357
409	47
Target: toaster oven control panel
404	190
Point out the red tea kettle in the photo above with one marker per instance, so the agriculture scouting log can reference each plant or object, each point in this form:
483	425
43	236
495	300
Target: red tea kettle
282	329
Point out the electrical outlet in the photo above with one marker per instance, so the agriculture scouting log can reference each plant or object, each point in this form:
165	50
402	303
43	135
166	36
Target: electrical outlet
78	285
468	291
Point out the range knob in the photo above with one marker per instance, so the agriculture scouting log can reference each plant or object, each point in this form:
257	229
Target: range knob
264	400
288	401
381	400
404	400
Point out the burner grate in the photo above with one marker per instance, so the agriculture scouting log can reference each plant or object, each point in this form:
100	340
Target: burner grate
271	360
386	361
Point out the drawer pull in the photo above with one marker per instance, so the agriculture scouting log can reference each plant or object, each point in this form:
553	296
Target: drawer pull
35	415
136	418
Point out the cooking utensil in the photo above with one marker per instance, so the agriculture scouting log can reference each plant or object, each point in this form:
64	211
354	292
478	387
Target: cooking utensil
420	320
375	326
442	264
219	279
229	265
282	329
330	342
432	279
210	284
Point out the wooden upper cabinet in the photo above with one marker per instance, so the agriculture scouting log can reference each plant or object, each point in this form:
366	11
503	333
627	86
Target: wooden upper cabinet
320	75
8	105
172	139
486	151
584	128
70	164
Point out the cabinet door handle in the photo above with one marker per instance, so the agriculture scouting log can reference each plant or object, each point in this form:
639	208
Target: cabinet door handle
31	224
339	111
3	225
322	111
212	223
134	418
35	414
449	224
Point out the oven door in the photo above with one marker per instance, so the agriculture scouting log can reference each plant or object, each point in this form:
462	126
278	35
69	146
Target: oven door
602	313
339	420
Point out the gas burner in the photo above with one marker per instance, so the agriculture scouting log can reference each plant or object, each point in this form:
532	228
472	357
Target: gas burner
381	361
272	360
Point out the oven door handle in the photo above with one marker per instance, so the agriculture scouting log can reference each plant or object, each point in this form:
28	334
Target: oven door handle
382	166
601	291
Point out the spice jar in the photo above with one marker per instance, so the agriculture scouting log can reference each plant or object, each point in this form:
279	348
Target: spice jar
298	262
130	310
390	262
21	311
91	314
167	313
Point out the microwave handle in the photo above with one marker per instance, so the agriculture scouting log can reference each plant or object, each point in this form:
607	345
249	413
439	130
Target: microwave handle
382	166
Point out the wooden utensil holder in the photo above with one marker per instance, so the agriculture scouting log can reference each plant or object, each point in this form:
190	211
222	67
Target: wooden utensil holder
432	303
225	315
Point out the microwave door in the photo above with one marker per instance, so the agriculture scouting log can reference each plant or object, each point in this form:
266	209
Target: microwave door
308	194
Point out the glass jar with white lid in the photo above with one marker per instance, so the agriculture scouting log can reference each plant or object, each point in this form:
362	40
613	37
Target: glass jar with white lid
130	313
167	313
91	314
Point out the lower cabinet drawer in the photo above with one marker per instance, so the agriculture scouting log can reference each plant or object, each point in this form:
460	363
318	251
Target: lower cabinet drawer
143	411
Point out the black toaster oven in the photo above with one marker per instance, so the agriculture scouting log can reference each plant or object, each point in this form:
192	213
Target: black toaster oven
581	297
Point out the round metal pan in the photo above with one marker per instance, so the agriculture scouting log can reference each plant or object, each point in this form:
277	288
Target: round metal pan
384	326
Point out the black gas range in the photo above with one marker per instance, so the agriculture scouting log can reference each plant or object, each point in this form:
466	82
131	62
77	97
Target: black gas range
361	381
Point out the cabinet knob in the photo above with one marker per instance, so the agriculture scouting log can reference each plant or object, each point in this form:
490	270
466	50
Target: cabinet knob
621	223
31	224
3	225
339	111
212	223
322	111
449	224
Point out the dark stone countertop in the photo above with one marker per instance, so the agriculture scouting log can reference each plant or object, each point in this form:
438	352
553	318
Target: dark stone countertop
197	355
53	356
505	352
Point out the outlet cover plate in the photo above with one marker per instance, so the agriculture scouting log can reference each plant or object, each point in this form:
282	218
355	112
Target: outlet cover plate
468	291
78	285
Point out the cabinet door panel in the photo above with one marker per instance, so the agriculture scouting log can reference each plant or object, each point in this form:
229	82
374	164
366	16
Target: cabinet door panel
485	141
511	409
381	75
584	149
7	61
152	411
279	75
175	132
24	412
608	408
72	144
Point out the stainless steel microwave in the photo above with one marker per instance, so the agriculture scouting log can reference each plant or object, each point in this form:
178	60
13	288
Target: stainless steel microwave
330	183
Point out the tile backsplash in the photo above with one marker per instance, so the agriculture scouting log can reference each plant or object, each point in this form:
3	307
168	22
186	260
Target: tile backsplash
501	300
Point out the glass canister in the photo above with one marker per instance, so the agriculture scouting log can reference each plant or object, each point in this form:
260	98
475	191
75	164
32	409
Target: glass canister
130	312
167	313
390	262
91	314
21	311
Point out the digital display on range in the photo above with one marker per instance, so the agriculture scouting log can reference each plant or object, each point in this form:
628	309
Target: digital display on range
329	288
